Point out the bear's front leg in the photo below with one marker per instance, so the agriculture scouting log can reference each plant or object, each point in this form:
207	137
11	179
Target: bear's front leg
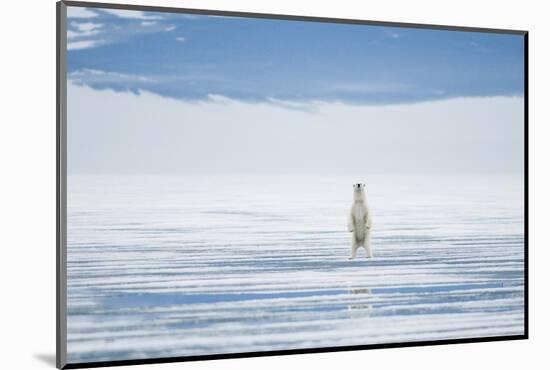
350	224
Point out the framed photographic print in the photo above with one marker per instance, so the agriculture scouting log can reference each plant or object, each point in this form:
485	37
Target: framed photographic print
234	184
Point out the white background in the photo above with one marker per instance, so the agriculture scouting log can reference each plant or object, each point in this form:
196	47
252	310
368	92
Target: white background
27	185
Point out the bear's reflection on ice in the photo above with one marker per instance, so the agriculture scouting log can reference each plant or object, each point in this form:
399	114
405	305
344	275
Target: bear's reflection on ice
361	307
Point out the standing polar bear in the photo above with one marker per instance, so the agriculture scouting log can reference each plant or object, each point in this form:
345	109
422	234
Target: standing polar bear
360	222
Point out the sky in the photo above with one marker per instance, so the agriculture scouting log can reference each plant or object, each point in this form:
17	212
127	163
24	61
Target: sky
156	92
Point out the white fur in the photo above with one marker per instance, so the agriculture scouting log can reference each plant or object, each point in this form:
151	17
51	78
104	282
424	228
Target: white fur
360	222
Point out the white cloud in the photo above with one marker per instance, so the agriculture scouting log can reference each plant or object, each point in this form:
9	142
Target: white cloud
180	39
289	104
220	16
148	23
87	75
131	14
75	34
124	132
84	30
88	26
220	99
77	12
85	44
170	28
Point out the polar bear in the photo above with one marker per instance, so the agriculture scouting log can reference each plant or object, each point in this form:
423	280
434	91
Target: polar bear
360	222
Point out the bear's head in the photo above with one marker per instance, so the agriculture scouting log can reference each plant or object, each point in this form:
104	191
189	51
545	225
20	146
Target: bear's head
358	191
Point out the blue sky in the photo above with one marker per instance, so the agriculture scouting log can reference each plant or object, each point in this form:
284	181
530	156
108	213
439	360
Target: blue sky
192	57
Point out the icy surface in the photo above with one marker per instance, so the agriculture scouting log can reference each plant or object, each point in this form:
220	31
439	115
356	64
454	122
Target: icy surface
189	265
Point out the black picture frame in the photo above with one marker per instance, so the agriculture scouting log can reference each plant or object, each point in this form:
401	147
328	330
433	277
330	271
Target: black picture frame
61	185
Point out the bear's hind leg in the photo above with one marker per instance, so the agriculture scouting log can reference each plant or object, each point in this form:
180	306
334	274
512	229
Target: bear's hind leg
367	245
353	249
